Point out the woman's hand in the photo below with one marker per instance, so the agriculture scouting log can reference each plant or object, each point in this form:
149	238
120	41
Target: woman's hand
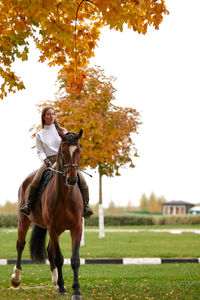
47	162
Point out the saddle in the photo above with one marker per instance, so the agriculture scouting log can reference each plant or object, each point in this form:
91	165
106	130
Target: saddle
44	179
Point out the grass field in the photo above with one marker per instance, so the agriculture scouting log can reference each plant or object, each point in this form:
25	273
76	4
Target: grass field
116	245
166	281
178	281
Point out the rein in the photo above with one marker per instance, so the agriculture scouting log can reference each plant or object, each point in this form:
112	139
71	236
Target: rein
56	171
63	172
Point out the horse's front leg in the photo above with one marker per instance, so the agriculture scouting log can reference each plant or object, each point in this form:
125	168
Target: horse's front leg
23	227
53	268
75	261
56	259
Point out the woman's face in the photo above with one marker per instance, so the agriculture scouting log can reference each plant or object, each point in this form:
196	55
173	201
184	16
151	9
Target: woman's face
49	117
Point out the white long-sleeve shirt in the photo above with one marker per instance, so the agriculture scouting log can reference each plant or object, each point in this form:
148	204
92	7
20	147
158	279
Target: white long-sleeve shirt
47	142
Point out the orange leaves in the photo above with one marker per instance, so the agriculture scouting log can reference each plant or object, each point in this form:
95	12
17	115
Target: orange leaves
106	128
137	14
66	32
11	82
72	78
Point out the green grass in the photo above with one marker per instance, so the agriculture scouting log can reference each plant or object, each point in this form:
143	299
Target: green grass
179	281
116	245
113	282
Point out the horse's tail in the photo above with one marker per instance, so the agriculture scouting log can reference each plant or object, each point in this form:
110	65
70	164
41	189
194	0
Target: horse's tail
37	244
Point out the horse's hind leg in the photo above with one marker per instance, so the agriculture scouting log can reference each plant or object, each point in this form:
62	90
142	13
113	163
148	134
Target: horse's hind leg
23	227
75	262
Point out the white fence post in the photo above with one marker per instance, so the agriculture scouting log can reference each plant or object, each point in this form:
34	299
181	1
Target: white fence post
83	234
101	222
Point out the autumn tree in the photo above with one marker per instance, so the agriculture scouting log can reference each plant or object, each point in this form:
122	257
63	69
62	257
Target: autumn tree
107	129
160	201
144	203
65	32
151	203
129	206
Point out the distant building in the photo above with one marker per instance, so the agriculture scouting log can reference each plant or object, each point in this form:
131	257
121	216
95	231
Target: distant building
176	208
195	210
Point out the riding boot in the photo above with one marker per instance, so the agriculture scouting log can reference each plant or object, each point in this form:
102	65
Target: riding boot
26	208
87	212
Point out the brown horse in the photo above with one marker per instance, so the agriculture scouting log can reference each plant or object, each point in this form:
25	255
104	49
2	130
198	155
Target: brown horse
61	209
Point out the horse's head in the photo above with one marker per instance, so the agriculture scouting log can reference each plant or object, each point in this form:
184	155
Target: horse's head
69	156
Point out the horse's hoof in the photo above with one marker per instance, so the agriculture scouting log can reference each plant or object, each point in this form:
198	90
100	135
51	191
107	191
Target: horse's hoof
62	294
76	297
57	288
14	283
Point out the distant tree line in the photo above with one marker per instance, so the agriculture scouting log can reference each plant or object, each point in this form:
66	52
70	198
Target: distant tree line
151	203
8	207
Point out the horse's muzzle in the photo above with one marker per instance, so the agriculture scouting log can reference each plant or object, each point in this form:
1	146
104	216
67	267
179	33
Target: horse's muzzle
71	180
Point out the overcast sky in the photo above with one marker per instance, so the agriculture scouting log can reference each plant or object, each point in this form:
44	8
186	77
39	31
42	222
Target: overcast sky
158	74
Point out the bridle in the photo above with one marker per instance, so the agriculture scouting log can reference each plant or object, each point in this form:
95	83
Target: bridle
63	166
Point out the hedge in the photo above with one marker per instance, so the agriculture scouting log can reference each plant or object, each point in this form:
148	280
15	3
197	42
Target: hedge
120	220
8	220
11	220
177	220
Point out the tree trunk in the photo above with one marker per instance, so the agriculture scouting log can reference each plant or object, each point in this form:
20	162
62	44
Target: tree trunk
101	216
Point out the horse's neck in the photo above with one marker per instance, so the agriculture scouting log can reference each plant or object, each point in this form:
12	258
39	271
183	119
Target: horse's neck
60	182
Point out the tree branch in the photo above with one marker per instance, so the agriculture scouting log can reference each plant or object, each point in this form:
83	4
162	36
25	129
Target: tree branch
75	34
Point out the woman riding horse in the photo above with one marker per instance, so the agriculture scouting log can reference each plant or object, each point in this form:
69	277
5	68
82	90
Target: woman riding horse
47	144
60	208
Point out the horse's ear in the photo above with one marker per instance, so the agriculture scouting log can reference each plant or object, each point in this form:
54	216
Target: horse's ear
80	133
